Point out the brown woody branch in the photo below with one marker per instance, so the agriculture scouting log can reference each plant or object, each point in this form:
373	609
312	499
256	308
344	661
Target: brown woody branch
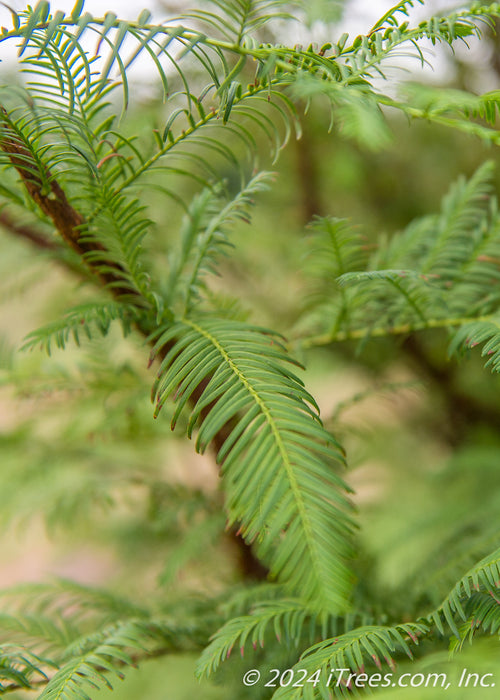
53	203
27	232
46	192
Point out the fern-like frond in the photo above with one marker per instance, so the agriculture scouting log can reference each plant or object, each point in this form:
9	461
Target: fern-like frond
332	661
483	577
483	613
357	63
19	142
91	659
71	127
111	241
203	239
115	237
63	134
437	273
288	620
40	632
238	19
410	295
334	248
454	102
390	18
62	74
366	56
88	635
55	45
19	667
483	331
277	459
83	320
442	243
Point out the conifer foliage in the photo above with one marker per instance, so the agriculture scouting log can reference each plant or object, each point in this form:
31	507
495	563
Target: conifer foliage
74	185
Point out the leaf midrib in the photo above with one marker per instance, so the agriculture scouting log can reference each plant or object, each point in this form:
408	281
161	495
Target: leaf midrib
276	434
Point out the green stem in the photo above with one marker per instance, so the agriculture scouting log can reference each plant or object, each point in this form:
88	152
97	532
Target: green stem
402	329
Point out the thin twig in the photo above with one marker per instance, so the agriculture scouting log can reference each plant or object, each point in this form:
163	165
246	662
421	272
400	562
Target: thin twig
402	329
27	232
